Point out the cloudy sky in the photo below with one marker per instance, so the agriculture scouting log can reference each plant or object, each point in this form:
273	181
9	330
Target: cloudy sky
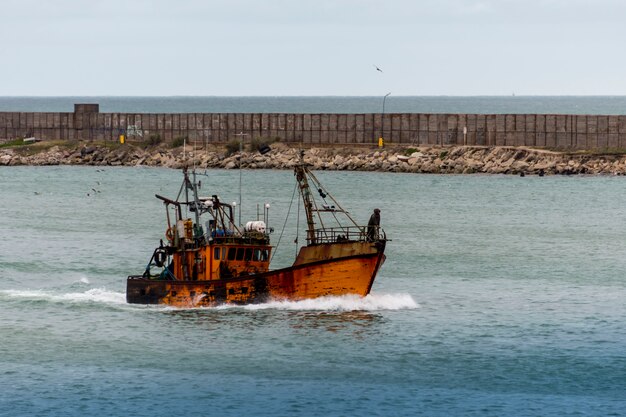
312	47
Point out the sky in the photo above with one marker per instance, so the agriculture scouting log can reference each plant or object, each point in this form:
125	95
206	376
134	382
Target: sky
312	47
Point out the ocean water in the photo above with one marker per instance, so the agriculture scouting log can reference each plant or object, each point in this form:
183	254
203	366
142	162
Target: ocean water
608	105
500	296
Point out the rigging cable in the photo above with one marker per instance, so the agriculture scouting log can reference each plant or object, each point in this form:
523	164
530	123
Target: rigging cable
285	223
297	233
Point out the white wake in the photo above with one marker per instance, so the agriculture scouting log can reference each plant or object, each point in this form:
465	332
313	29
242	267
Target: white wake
372	302
95	295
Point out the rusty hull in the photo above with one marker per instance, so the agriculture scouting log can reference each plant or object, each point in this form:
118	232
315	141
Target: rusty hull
353	274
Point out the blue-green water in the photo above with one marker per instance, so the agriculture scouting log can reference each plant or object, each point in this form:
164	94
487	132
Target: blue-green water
500	296
393	104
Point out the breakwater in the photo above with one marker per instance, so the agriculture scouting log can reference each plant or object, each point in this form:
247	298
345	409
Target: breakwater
418	129
424	159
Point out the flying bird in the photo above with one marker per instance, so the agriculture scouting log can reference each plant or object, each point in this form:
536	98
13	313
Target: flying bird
377	69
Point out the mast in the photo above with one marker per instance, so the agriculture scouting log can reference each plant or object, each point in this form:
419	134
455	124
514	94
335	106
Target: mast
196	201
305	192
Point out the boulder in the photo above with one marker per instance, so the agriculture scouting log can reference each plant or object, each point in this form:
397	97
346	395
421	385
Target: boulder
520	165
87	150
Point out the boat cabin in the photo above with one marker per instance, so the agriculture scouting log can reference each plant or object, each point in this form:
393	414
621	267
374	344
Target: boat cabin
222	251
218	261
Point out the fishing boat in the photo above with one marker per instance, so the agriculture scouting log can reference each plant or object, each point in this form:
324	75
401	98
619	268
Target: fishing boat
208	259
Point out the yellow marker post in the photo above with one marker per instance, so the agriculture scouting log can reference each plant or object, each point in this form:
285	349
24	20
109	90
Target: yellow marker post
122	139
381	142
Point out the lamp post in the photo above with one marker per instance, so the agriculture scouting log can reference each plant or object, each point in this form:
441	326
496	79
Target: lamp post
381	141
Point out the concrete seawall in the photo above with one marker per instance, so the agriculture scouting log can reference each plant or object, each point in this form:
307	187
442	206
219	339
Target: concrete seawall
531	130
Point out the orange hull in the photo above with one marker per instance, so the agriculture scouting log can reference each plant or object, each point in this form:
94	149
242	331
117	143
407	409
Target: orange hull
339	276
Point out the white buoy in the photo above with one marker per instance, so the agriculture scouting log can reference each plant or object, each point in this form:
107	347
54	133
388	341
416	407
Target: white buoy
255	226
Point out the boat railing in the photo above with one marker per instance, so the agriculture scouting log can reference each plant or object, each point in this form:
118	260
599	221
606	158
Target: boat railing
349	234
245	239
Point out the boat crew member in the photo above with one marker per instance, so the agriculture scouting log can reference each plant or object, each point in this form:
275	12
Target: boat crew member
372	225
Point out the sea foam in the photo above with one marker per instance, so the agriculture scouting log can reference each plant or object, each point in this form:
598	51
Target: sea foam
371	302
97	295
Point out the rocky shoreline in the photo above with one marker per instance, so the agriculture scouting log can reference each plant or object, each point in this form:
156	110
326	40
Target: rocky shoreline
432	160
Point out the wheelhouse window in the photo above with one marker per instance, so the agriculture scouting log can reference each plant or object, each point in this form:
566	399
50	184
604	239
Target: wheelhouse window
242	254
216	253
260	255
